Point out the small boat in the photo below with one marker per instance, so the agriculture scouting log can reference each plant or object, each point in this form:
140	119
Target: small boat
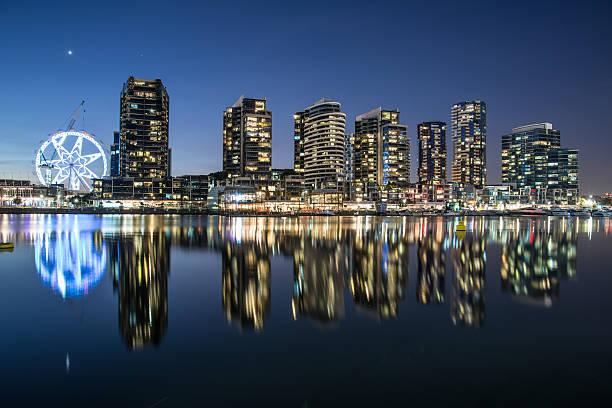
6	246
599	214
581	213
529	212
558	212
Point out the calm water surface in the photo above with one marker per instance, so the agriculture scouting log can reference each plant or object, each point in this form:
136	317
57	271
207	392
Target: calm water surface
165	311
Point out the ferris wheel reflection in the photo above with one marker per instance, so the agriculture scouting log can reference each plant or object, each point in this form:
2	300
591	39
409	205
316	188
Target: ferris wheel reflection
70	262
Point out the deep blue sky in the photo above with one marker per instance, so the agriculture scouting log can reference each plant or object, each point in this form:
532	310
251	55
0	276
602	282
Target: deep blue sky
530	61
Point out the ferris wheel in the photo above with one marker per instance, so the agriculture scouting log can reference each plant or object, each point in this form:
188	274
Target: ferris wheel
71	156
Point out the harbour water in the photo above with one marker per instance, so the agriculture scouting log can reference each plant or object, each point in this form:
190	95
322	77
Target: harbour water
169	311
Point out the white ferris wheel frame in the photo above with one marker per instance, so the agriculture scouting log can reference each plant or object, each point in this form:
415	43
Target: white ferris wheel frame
71	165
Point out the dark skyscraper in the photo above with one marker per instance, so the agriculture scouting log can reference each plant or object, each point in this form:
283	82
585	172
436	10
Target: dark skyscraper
469	135
247	139
432	152
115	152
298	142
382	152
144	129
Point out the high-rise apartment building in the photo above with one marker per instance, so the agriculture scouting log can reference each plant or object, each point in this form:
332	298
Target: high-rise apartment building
320	129
144	129
432	152
382	152
469	134
533	160
247	139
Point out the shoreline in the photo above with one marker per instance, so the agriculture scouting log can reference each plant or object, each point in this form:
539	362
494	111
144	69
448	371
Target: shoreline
200	212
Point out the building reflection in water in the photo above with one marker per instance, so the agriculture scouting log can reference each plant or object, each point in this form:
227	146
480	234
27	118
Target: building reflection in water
432	271
467	306
246	284
141	264
533	264
318	280
380	270
70	262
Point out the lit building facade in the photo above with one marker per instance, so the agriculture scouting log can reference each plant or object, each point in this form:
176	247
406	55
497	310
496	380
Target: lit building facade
247	139
382	153
562	176
319	135
144	129
432	152
533	160
349	157
23	193
349	167
469	134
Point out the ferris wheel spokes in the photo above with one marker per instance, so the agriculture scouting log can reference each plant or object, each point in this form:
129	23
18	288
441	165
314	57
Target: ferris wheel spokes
68	161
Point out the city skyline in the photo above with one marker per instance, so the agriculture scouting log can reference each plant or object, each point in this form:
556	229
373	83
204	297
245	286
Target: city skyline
199	92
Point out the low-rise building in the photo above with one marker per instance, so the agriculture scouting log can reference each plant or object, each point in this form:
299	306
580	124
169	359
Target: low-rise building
130	192
24	193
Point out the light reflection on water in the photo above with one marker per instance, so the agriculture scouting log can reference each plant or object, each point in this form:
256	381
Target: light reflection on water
70	262
343	273
367	255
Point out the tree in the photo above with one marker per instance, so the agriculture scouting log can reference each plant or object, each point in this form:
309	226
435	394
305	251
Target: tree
17	200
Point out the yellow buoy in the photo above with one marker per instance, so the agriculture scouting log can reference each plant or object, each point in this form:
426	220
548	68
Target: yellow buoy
461	229
6	246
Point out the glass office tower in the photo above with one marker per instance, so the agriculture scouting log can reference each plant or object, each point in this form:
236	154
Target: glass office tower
533	160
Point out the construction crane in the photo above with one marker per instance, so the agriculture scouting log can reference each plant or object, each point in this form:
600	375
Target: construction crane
46	163
74	116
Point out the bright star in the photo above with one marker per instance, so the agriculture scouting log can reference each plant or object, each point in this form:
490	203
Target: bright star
69	52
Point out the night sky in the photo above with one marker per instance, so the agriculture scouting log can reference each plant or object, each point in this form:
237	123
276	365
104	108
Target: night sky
530	61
